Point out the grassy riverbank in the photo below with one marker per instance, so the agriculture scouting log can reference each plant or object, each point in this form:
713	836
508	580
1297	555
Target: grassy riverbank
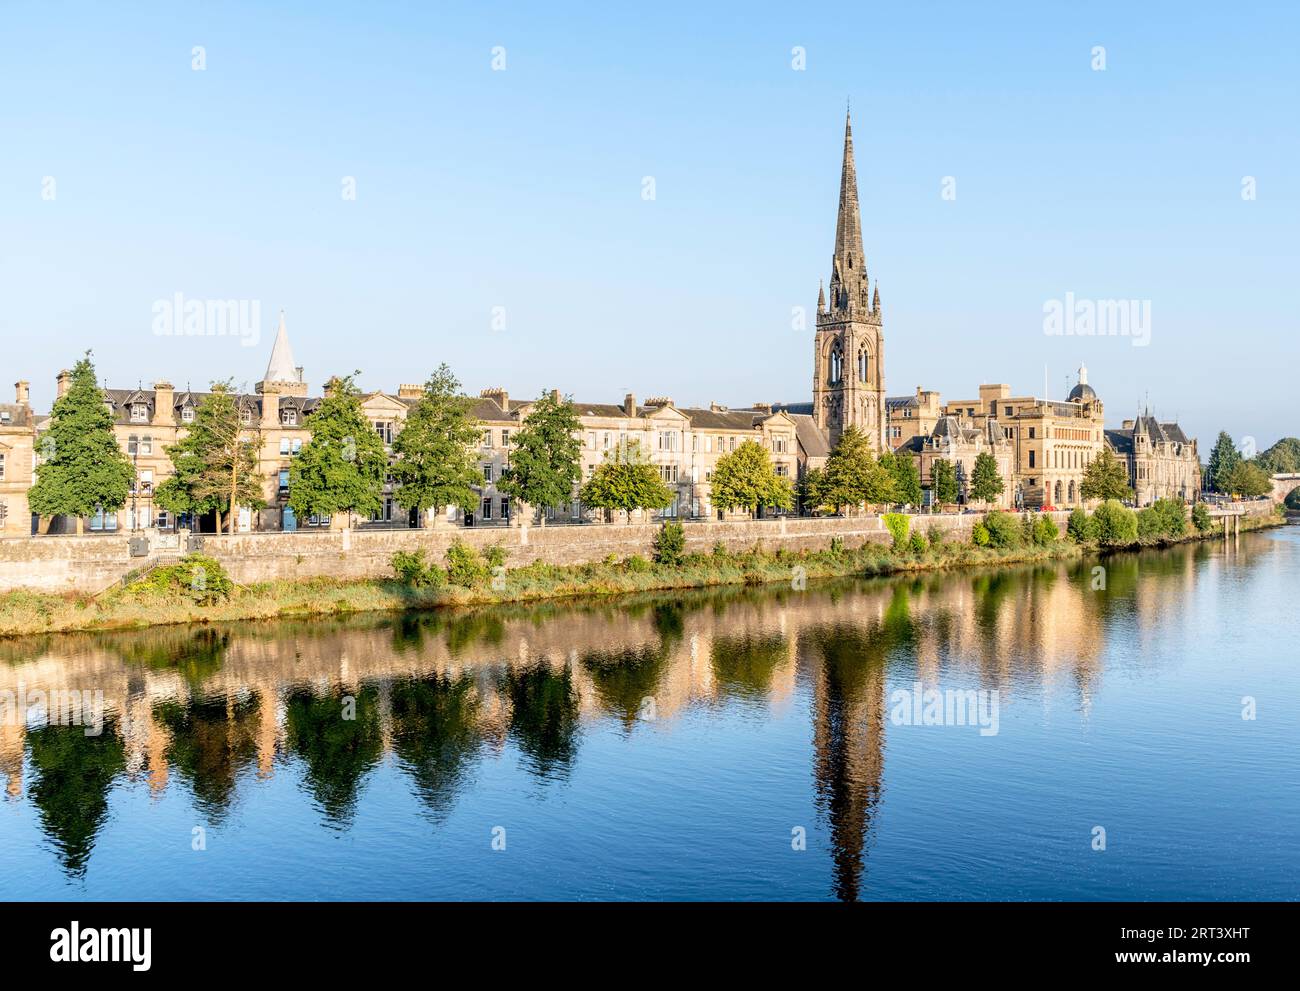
160	601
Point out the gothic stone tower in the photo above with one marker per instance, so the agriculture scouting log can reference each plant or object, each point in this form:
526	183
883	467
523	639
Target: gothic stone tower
849	357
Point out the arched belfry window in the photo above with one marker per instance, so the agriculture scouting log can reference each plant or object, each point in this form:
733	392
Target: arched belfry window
864	364
837	365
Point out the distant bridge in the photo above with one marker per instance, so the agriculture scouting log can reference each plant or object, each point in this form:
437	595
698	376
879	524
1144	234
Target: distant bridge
1284	485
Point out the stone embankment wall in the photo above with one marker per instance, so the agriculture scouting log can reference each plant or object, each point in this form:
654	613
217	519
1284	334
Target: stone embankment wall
92	563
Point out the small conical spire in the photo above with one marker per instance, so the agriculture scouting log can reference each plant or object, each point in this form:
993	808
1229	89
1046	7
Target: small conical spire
821	296
875	298
281	367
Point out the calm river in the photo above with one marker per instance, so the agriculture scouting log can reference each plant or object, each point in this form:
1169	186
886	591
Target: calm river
1139	740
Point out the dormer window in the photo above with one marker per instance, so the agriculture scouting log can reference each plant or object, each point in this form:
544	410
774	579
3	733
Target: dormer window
246	415
289	417
187	414
139	412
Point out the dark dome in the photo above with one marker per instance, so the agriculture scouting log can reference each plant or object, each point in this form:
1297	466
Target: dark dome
1082	393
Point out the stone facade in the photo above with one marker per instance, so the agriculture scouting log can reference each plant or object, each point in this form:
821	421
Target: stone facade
1162	462
17	461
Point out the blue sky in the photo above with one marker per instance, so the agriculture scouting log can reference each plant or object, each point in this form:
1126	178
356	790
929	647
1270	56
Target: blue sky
522	189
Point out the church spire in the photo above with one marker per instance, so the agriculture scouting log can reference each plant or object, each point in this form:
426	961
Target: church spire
849	262
281	367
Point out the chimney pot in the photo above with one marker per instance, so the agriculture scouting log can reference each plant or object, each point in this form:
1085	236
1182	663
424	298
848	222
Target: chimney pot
22	392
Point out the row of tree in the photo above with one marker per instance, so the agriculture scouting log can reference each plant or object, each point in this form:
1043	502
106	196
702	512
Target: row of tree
1231	473
344	466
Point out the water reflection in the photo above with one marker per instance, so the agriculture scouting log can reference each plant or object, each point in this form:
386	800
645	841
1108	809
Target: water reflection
206	709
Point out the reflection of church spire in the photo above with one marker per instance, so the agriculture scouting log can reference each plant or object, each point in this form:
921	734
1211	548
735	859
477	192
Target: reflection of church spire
848	740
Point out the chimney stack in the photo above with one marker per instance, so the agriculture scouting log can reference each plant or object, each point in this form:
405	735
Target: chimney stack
629	404
64	383
22	392
164	404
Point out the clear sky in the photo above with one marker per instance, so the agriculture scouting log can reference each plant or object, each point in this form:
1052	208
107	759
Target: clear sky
523	189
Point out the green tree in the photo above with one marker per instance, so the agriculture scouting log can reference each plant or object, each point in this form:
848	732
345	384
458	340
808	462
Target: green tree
943	480
853	475
82	468
434	460
1081	527
544	463
1116	526
1105	478
1223	459
625	481
215	466
746	479
906	478
986	483
342	467
1282	458
1248	480
1201	518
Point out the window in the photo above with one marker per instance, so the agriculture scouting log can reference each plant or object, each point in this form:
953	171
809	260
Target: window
284	445
781	443
246	415
289	417
607	441
1031	459
187	414
505	438
103	521
1031	433
591	440
864	365
837	365
733	443
487	473
139	412
783	471
668	473
667	440
2	467
296	447
505	508
708	444
132	446
487	509
487	438
146	444
284	481
385	431
1008	410
695	442
146	482
164	520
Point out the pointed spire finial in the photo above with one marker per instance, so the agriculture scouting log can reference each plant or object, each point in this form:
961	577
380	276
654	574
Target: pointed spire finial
849	263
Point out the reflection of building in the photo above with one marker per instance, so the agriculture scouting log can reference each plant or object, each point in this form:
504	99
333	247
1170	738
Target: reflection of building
1162	463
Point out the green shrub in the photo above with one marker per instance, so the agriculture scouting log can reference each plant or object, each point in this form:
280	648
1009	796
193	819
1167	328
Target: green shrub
464	565
1082	529
196	577
1046	531
837	545
1149	524
411	568
636	563
898	525
919	543
1201	518
1116	525
979	535
720	550
1002	530
496	556
1173	516
670	544
936	537
1027	529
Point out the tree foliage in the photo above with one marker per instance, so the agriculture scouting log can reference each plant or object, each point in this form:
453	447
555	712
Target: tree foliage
986	484
342	467
215	465
853	475
1116	525
434	461
1282	458
1105	477
1248	480
82	468
904	477
1223	459
626	481
544	463
746	479
943	480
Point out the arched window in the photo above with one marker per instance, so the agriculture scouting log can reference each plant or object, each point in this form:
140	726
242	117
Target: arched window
1058	494
1072	492
864	364
837	365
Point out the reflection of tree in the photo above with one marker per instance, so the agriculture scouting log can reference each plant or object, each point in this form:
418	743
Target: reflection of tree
338	752
544	716
743	665
73	775
848	735
194	653
212	740
436	735
622	679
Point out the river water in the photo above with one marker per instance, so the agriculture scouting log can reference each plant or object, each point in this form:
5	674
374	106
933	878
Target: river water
1120	728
